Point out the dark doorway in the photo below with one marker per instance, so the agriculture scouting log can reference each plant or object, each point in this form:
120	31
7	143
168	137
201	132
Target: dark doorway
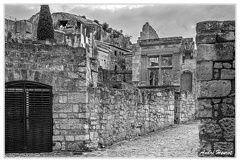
28	117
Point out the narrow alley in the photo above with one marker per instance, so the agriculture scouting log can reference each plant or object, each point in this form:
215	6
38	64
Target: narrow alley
175	141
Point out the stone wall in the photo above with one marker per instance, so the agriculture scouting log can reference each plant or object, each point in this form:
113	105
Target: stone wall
148	32
113	78
187	107
62	67
18	31
115	115
216	87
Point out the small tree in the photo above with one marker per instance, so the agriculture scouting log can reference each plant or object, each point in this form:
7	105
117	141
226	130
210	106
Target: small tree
105	26
45	26
96	21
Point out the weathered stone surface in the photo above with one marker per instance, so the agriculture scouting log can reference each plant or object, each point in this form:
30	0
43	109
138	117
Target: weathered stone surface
228	126
210	131
227	109
62	115
223	148
227	74
216	74
204	70
226	36
206	52
69	138
228	100
204	113
58	138
208	26
72	75
215	101
227	65
225	51
214	26
207	146
75	108
228	25
62	99
77	97
57	146
148	32
216	52
218	65
220	89
62	108
204	104
206	38
216	88
80	137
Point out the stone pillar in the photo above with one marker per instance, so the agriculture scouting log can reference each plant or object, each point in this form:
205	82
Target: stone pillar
216	87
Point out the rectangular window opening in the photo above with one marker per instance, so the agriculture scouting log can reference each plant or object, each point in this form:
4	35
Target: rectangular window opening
153	74
63	23
166	60
153	61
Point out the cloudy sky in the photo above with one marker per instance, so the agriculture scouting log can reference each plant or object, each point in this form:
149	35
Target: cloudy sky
167	20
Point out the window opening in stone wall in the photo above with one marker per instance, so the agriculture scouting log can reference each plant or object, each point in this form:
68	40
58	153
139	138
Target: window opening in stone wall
115	53
153	74
186	82
188	55
166	60
153	61
63	23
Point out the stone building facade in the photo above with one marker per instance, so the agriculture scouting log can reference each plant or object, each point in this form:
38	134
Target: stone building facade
216	87
167	62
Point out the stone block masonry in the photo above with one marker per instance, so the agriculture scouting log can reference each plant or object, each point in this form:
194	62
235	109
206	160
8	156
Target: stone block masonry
84	117
216	87
64	68
116	115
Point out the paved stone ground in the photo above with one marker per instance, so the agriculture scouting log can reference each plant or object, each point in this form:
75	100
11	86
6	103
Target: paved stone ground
175	141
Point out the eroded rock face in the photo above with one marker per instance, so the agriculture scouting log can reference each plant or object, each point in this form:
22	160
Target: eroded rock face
215	88
204	70
228	125
210	130
148	32
227	74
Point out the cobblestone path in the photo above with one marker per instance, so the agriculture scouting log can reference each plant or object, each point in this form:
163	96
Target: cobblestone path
174	141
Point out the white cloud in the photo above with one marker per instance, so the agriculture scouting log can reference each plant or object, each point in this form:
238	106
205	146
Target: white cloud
113	7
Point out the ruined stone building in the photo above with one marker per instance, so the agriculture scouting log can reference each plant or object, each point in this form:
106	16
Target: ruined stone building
167	63
57	98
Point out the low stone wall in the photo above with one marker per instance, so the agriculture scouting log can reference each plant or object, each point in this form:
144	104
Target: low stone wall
116	115
216	87
187	107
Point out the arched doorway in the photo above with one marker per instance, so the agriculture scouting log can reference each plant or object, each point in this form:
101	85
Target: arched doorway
28	117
